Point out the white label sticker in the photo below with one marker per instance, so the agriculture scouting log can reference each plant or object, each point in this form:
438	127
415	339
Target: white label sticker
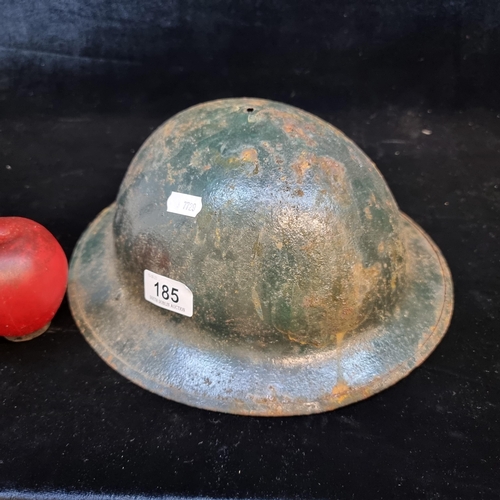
168	294
184	204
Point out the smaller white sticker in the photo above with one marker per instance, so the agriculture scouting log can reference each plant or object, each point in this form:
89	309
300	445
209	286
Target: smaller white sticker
168	294
184	204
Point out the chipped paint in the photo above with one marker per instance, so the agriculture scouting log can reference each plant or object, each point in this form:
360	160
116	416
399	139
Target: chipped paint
257	304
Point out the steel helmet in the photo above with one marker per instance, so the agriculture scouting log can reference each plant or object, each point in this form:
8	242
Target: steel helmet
255	262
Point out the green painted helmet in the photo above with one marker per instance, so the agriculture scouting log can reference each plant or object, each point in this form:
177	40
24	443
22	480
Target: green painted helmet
255	262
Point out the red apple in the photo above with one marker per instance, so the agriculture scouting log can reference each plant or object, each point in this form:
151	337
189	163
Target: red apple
33	278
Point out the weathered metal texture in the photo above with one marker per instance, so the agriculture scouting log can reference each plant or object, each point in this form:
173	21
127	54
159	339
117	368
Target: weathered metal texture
311	289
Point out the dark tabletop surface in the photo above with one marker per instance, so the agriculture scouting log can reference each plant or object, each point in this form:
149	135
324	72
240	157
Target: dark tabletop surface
83	84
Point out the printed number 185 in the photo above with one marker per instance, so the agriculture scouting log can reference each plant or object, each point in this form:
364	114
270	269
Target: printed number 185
166	293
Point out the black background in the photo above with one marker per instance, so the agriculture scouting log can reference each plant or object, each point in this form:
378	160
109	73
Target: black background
84	82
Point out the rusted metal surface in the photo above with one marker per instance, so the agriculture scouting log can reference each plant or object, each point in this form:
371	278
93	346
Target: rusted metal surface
311	289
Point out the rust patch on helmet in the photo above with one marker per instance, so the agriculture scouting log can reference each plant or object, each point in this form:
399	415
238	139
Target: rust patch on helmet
333	169
301	166
250	155
297	133
341	391
288	121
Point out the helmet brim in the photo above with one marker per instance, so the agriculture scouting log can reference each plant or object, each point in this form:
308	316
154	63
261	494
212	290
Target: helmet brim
171	356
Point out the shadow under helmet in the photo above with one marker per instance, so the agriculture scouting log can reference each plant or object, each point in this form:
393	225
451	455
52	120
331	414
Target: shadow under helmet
300	285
